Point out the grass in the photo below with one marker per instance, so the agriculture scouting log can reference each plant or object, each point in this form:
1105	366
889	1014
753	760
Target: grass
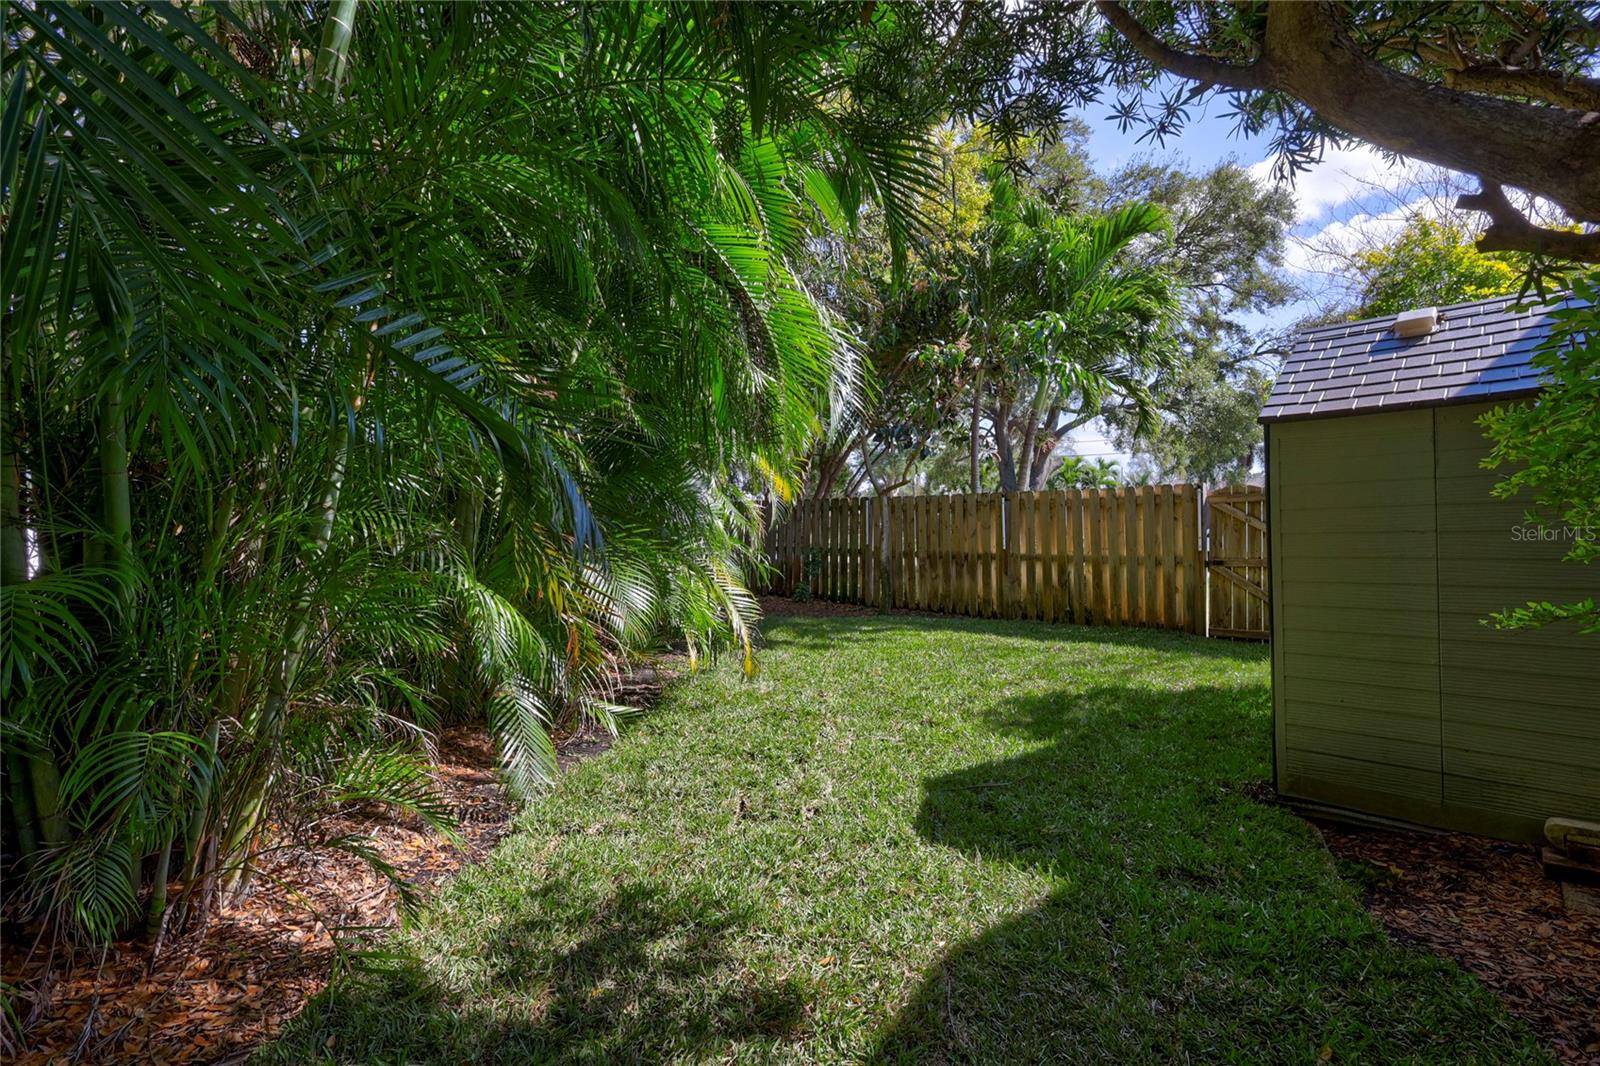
918	840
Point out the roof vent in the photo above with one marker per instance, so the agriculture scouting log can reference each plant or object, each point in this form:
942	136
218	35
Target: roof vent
1418	323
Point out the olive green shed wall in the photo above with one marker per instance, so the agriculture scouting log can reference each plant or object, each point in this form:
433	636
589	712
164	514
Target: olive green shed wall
1390	695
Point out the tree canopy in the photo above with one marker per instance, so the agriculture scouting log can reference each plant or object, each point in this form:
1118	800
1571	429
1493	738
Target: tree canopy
1431	263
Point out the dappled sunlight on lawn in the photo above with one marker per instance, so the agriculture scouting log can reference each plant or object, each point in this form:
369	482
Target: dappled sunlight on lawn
917	839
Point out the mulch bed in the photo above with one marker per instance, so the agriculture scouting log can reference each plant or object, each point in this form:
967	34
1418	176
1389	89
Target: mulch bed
1488	905
214	996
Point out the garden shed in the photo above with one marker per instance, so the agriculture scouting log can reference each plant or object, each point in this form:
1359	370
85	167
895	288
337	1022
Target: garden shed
1390	696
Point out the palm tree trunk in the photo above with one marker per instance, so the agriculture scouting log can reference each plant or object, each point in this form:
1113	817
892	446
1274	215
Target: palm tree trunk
45	778
299	626
334	52
157	911
195	832
23	816
35	780
13	543
217	537
20	783
115	495
284	671
1031	434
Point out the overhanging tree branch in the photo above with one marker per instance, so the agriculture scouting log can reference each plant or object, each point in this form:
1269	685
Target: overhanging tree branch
1510	231
1184	64
1307	53
1571	91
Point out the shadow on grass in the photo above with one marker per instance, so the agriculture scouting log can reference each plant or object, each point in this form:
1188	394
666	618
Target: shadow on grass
1190	923
651	978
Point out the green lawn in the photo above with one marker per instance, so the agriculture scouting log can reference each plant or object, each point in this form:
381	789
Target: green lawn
919	840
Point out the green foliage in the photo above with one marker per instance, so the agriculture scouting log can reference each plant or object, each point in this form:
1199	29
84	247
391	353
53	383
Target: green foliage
1061	315
1226	256
1551	446
366	373
1076	472
1430	264
919	840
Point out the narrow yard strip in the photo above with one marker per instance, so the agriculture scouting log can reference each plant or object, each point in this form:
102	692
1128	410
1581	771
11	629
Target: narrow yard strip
913	839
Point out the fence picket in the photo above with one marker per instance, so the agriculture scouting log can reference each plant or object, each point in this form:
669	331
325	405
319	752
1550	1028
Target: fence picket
1125	548
1149	556
1195	542
986	557
1050	585
923	548
858	562
1041	555
946	565
963	548
1036	566
1105	529
1022	552
842	537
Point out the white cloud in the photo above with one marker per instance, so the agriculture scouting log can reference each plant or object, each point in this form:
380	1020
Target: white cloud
1325	248
1344	175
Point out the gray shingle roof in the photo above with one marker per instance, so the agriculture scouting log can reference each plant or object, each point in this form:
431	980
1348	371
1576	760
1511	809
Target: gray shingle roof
1479	351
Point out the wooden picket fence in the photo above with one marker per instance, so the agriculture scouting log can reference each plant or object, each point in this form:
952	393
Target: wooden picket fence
1124	556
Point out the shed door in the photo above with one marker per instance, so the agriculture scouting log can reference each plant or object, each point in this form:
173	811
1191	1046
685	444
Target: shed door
1355	612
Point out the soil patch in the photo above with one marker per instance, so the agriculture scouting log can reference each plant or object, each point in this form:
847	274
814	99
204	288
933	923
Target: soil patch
813	608
215	995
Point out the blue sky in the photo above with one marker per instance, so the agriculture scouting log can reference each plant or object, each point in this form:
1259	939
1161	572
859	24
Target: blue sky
1353	196
1205	141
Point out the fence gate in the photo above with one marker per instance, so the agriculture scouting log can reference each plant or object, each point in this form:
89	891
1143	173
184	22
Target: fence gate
1236	562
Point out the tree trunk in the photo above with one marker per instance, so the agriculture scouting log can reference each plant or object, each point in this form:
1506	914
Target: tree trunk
828	473
45	778
977	418
217	537
284	671
195	833
1003	454
116	497
13	541
23	816
1031	433
1306	52
334	52
156	913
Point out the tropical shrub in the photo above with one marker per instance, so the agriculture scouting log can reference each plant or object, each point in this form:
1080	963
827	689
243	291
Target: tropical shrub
372	367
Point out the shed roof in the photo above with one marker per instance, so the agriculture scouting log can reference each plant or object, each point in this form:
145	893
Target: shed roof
1481	350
